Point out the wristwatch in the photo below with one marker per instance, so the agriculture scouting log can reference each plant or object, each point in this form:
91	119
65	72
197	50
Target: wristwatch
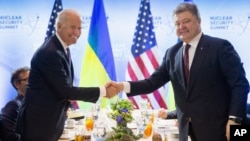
236	119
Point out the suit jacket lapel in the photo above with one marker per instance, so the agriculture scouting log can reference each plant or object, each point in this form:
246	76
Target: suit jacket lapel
70	70
179	66
197	62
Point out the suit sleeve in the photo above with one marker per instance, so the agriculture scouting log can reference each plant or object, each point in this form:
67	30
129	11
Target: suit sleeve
233	71
56	72
172	115
8	122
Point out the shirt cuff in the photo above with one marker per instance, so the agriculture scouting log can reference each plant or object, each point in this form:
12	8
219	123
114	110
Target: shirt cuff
234	117
102	91
237	120
126	87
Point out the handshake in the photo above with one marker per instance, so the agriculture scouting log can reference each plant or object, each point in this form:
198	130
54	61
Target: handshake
113	88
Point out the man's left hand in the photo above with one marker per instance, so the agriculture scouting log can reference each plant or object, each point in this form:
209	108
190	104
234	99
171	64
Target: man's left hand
229	122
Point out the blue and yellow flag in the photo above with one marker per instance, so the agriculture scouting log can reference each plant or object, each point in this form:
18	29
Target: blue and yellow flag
98	63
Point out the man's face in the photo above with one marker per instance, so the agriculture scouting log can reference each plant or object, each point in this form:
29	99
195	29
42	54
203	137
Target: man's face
187	26
22	82
70	30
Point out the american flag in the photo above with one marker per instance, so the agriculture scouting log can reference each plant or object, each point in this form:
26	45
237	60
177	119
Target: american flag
143	60
51	26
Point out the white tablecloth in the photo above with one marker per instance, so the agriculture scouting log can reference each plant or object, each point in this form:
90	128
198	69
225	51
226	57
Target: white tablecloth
161	126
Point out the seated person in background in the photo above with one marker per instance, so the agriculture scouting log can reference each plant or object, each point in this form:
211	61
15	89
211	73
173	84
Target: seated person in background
9	112
164	114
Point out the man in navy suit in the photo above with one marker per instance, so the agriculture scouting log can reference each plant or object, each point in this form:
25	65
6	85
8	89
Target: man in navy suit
214	94
50	87
9	112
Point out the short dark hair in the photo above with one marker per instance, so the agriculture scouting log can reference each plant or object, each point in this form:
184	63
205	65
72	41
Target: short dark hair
15	75
187	6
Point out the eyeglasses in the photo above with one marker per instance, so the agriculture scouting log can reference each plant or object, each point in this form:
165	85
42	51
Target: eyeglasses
25	79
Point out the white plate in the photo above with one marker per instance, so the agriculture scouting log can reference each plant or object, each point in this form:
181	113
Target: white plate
69	127
70	139
69	136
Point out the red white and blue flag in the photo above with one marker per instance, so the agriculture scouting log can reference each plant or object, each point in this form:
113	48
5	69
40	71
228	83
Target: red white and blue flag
52	21
143	59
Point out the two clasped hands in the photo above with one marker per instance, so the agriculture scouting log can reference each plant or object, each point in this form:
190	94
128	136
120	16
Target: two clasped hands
113	88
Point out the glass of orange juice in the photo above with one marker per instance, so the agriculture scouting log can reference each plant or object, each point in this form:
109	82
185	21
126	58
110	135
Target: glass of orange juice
79	137
89	122
79	134
148	130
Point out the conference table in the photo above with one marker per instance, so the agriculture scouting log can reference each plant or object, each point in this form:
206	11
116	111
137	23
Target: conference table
166	129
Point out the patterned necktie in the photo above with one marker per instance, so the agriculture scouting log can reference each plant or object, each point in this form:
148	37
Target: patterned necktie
186	62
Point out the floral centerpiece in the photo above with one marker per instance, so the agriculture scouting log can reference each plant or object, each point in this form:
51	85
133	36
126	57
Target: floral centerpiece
122	114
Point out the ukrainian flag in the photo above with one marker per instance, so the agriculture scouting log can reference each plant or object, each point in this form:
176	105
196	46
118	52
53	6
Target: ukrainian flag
98	63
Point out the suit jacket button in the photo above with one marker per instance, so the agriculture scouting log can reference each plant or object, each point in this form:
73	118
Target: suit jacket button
188	119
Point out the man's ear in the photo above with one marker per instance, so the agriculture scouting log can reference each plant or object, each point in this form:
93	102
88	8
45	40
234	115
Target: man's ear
16	84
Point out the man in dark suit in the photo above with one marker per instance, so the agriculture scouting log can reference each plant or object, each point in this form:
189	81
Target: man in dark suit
213	95
50	87
9	112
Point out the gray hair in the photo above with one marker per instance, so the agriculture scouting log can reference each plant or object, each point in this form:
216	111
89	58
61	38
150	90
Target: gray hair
63	16
187	6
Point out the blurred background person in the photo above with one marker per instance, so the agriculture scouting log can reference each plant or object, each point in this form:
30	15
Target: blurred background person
9	112
164	114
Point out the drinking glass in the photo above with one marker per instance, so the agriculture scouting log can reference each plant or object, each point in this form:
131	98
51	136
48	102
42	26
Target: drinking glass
141	123
89	122
148	130
143	104
95	111
79	137
79	133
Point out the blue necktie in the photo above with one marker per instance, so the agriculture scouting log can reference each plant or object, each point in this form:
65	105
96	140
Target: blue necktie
68	55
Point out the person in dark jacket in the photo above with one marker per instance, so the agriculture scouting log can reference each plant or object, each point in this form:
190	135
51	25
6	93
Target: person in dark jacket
9	112
50	87
208	79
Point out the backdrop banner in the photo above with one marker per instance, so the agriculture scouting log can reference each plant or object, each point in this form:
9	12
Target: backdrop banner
24	23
